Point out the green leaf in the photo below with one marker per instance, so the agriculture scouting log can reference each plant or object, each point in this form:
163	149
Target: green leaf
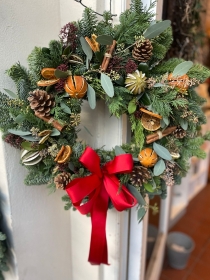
119	151
61	74
184	124
87	63
55	132
11	94
19	132
136	194
30	138
104	39
143	67
65	108
182	68
132	106
145	99
27	146
162	151
159	167
155	29
99	56
88	130
166	120
2	237
158	85
107	85
19	119
67	50
162	123
140	214
91	95
120	81
86	48
148	187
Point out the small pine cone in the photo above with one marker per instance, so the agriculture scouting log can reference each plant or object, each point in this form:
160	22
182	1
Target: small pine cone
139	175
41	102
62	180
142	50
179	133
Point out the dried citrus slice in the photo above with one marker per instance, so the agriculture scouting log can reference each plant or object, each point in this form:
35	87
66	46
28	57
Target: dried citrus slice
48	73
45	83
150	113
64	154
150	122
148	157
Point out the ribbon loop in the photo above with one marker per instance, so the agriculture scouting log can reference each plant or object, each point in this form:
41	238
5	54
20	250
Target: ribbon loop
98	187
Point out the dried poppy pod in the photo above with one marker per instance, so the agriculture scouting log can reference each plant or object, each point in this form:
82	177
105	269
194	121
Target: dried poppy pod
76	86
180	82
150	121
148	157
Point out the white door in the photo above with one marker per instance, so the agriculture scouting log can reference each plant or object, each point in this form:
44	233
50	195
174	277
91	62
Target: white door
46	242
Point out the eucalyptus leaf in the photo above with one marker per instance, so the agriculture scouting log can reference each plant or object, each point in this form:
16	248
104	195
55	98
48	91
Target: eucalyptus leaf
132	106
87	63
65	108
120	81
159	167
11	94
91	95
135	159
19	132
30	138
143	67
155	29
20	118
158	85
55	132
140	214
162	151
166	120
162	123
136	194
184	124
86	48
145	99
107	85
27	146
148	187
71	166
119	151
182	68
104	39
61	74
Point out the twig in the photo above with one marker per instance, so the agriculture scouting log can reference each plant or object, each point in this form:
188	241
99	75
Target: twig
80	1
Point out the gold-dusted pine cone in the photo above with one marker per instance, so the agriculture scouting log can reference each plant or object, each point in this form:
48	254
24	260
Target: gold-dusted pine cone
139	175
62	180
142	50
41	102
136	82
179	133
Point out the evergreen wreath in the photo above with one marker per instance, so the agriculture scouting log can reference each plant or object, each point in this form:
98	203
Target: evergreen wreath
123	65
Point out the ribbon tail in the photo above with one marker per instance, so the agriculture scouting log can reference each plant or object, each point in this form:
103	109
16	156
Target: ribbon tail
98	246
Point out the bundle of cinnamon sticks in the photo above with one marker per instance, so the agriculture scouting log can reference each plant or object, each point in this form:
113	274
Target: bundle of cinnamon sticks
156	136
52	121
108	56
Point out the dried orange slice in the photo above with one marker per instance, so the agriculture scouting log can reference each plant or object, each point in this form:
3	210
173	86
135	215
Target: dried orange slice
150	113
64	154
148	157
150	123
48	73
45	83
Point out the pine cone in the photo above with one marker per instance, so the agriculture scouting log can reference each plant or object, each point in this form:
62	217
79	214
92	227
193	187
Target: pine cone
142	50
139	175
179	133
41	102
168	174
61	180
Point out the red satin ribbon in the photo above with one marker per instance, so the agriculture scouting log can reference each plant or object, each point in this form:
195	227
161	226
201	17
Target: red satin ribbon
99	186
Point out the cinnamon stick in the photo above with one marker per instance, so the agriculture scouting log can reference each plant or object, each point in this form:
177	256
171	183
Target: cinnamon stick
155	136
108	56
52	121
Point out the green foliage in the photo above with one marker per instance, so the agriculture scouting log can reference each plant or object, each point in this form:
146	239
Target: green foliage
68	203
56	50
199	72
166	66
88	23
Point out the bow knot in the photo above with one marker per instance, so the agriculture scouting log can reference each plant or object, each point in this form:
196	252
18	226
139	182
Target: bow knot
101	185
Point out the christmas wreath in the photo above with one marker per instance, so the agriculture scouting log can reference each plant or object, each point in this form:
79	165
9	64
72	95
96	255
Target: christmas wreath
122	65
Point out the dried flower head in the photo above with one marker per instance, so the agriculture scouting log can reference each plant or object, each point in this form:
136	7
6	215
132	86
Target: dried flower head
68	35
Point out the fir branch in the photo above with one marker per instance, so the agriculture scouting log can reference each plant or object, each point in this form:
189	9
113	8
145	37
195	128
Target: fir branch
56	52
88	22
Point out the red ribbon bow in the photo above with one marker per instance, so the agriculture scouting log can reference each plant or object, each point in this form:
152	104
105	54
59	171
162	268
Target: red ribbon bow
99	186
